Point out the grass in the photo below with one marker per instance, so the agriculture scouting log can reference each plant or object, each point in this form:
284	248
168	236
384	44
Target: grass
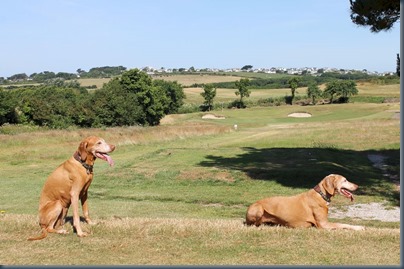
179	192
157	241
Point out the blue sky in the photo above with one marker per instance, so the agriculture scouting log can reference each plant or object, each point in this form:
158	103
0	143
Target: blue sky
64	35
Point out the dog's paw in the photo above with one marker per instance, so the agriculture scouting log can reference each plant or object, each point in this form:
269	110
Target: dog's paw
62	231
92	223
82	234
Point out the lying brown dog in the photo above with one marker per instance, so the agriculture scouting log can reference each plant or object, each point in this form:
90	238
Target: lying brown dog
303	210
69	183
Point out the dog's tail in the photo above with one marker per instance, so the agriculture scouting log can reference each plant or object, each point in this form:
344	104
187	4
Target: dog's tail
41	236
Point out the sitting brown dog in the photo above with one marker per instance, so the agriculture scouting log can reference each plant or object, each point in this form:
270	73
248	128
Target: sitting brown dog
69	183
303	210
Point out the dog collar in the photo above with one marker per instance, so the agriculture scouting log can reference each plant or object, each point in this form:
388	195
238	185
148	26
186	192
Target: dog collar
89	168
325	197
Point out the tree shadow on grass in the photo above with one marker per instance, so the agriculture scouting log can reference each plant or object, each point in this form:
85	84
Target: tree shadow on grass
305	167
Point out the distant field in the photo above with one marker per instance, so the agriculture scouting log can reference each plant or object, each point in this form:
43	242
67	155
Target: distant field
193	95
188	80
185	80
227	95
99	82
370	89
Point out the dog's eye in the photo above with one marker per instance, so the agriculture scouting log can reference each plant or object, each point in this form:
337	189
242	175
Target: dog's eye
99	143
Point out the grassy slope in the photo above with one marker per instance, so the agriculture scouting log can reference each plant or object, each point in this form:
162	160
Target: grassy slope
178	192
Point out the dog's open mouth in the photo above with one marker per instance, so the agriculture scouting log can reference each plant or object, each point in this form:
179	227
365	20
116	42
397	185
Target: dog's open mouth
347	194
105	157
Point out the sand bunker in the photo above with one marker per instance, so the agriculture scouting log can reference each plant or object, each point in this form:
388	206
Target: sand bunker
300	115
212	117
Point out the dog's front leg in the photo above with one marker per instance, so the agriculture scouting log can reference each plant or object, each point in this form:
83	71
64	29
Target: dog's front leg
84	204
333	225
74	194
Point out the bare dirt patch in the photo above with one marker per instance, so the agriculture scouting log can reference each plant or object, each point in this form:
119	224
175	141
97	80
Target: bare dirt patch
300	115
213	117
371	211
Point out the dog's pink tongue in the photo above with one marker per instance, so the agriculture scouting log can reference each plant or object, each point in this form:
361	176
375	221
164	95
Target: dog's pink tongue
347	194
111	162
105	157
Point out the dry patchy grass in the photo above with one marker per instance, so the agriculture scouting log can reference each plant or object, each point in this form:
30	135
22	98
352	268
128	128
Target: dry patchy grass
372	89
168	241
120	136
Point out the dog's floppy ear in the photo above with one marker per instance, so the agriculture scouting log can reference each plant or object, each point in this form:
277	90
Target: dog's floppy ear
328	184
83	150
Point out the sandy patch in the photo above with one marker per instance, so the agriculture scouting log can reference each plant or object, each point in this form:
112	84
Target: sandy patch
371	211
213	117
300	115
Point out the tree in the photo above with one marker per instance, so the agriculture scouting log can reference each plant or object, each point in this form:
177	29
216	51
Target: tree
7	106
135	81
314	92
135	98
243	91
246	67
50	106
113	105
209	93
293	84
18	77
380	15
340	88
65	75
102	72
331	89
80	71
152	99
175	93
45	75
348	89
